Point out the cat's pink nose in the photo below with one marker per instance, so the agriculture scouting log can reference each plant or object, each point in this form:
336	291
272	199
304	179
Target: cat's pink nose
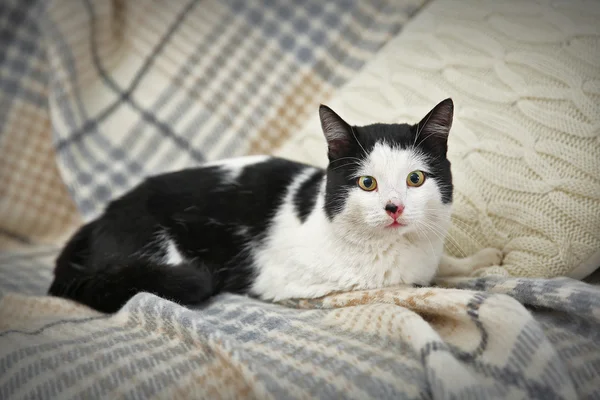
394	210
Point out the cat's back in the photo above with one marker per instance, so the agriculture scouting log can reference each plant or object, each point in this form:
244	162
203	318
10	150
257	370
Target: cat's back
211	204
255	176
236	190
226	175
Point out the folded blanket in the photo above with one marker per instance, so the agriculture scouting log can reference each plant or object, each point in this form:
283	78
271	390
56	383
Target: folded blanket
468	339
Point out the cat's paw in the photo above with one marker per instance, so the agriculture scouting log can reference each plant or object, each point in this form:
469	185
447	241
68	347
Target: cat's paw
484	258
487	257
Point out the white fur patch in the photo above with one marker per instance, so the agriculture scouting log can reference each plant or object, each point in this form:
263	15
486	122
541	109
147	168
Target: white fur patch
235	166
356	250
173	256
242	231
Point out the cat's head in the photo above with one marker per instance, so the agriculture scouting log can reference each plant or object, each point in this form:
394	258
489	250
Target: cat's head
389	178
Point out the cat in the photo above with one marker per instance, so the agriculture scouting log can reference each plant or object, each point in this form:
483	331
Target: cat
277	229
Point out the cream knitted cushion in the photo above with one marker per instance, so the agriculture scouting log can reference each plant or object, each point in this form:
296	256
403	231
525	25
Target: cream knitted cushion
525	145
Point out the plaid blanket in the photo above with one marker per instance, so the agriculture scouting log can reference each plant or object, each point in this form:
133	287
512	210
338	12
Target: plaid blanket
142	88
108	92
95	95
467	339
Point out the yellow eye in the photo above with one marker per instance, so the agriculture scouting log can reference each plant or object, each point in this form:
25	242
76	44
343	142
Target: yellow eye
415	178
367	183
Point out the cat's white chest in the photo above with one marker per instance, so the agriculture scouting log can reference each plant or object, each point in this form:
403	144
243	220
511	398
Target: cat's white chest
386	262
381	263
304	261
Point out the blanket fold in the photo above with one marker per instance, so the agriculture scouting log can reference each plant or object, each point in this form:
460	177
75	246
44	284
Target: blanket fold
491	337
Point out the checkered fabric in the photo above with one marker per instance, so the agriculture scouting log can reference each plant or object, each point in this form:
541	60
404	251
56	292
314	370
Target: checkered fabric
489	338
145	87
27	269
35	206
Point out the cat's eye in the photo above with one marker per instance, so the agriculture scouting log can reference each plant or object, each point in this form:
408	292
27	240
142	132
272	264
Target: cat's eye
415	178
367	183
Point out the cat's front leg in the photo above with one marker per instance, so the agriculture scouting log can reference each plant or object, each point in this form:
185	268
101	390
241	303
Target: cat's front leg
452	266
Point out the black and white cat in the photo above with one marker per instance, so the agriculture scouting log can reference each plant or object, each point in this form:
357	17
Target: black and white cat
277	229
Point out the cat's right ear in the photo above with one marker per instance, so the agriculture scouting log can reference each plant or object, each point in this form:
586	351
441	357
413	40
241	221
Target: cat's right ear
338	133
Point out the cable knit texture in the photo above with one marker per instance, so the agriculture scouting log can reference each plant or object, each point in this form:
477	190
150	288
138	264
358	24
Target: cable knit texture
525	145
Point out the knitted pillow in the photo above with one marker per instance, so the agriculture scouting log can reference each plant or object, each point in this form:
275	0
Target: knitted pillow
525	145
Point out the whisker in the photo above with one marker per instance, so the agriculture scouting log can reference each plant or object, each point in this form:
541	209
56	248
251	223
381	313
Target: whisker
445	236
466	233
430	135
345	158
355	138
421	130
430	244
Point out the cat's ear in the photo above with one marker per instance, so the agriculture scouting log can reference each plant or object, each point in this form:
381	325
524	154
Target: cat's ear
435	126
338	133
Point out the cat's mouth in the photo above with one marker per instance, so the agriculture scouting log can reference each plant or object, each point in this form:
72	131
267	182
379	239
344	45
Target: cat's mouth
396	224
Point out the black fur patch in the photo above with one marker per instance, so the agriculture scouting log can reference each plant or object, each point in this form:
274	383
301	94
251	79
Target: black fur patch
306	196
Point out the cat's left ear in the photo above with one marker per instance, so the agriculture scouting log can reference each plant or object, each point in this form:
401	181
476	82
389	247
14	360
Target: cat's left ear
435	126
338	133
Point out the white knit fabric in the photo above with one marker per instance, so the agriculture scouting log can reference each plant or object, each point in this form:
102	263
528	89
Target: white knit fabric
525	145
